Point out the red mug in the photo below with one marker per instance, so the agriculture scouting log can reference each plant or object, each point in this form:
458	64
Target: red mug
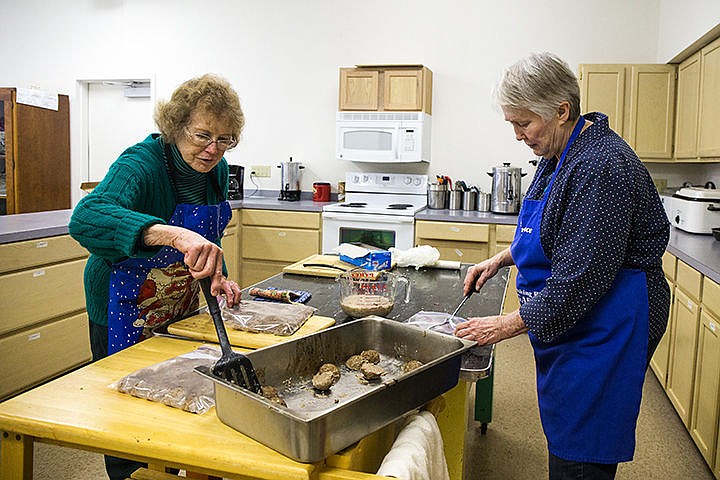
321	192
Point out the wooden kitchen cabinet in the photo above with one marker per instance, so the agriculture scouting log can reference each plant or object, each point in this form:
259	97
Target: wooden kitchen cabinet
272	239
231	248
464	242
704	419
709	111
44	328
37	155
639	101
683	340
688	105
386	87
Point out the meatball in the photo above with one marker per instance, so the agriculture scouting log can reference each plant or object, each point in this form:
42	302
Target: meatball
329	367
272	394
371	371
370	356
323	380
412	365
355	362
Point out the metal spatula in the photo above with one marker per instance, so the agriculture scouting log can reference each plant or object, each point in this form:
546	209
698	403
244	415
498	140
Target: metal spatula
232	366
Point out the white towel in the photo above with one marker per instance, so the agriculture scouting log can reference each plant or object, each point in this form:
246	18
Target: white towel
417	453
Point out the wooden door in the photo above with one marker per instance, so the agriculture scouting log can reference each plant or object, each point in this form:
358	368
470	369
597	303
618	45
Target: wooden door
359	89
403	90
704	423
660	359
37	156
652	111
681	367
602	89
688	104
709	121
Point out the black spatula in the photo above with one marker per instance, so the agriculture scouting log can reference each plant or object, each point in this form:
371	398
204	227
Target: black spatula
233	367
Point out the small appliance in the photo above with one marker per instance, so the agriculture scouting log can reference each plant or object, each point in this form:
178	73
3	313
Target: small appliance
383	137
290	175
506	189
695	209
235	182
379	210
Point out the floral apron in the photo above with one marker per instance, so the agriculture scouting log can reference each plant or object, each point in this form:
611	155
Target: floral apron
590	379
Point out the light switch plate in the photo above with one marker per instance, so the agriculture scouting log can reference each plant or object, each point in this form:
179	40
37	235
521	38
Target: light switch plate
261	170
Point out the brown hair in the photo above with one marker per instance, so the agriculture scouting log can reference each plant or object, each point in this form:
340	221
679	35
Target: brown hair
210	93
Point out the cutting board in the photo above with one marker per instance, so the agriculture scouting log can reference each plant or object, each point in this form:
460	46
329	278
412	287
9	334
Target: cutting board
201	327
298	269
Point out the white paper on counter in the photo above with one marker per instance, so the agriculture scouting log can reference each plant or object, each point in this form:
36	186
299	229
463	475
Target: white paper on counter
350	250
37	98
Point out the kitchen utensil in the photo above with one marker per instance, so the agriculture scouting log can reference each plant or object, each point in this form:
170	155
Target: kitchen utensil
437	194
506	189
290	175
313	427
465	299
323	265
363	295
483	203
469	201
455	198
233	367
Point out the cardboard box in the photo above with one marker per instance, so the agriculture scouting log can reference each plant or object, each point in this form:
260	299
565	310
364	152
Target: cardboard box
369	259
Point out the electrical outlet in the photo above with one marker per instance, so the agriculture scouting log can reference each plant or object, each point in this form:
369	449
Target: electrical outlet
260	170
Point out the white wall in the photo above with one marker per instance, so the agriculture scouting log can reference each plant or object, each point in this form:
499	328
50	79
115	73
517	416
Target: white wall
684	22
282	56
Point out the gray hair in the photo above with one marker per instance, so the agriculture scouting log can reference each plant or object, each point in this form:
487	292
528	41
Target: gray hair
539	83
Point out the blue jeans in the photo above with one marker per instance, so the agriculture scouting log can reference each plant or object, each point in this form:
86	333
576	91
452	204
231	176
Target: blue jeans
568	470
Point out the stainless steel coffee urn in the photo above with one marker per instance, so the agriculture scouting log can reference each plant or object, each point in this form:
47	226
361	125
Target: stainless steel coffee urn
506	189
290	175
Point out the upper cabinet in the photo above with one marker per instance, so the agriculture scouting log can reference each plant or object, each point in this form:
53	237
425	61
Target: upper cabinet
709	120
639	101
688	105
36	156
386	87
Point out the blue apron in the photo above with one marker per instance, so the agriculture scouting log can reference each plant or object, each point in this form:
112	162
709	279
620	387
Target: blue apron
590	379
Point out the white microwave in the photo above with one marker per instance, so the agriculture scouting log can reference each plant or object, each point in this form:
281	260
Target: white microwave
383	137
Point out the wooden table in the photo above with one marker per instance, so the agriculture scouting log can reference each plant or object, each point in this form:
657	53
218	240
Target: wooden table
79	410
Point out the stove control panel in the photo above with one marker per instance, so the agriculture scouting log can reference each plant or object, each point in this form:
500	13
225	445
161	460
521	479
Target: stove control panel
385	182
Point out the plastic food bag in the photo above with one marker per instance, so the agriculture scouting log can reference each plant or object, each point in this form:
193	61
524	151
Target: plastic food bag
436	321
415	257
174	381
266	317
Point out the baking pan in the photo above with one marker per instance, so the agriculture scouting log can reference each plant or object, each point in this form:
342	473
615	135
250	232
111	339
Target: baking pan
314	426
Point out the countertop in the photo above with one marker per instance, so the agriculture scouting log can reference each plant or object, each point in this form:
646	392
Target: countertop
702	252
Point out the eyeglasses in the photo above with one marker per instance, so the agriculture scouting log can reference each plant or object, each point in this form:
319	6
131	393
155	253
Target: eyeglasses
204	140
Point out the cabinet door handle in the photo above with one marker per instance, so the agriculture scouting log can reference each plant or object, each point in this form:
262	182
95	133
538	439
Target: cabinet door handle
282	234
712	326
455	229
41	244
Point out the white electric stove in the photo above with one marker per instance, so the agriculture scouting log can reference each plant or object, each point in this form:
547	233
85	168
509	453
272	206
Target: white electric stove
378	210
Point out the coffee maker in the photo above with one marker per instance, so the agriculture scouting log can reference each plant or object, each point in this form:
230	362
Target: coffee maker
235	185
290	174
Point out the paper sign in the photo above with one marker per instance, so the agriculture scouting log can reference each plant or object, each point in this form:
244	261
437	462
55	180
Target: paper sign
37	98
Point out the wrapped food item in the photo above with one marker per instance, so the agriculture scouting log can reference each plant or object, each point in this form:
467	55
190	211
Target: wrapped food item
266	317
174	381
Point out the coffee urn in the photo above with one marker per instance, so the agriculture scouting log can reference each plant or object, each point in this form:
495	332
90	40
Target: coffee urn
506	189
290	175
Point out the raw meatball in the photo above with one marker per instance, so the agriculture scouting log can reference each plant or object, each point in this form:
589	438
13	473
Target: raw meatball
355	362
370	356
371	371
323	380
412	365
271	393
329	367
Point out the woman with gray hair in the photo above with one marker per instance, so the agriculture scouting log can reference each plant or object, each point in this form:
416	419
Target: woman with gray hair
588	245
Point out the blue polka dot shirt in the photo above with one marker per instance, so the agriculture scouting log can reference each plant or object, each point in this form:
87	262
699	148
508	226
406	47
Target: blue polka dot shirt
603	214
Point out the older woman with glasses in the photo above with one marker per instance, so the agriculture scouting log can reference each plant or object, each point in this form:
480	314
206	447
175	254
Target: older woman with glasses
154	223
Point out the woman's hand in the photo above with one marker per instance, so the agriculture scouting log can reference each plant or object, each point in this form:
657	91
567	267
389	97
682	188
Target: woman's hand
202	257
489	330
481	272
231	290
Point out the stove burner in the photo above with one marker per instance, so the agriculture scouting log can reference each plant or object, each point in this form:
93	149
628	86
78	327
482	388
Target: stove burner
353	204
399	206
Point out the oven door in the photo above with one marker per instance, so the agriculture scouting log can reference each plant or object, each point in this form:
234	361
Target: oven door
382	231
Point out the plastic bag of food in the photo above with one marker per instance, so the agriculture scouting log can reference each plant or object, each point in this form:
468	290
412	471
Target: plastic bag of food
266	317
174	381
436	321
415	257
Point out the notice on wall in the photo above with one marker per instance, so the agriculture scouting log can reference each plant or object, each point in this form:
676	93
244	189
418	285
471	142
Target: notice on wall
37	98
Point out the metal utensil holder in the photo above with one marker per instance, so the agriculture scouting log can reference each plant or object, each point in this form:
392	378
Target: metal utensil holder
456	200
469	201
